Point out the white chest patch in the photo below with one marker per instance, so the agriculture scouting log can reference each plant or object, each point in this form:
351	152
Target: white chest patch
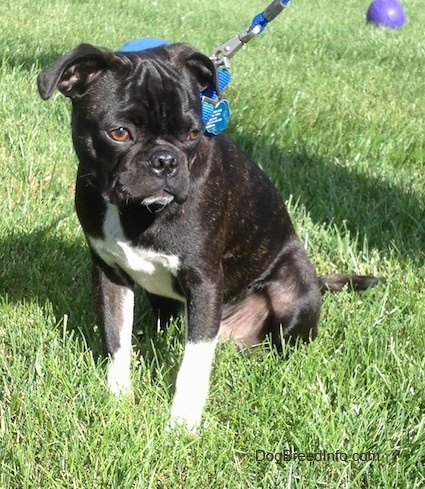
150	269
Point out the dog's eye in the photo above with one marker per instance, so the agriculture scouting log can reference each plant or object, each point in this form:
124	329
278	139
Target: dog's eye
193	135
120	134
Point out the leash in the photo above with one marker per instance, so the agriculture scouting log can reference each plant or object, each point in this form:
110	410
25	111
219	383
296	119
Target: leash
215	109
221	56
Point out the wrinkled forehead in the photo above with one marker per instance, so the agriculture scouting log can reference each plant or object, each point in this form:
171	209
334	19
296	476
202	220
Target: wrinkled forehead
157	94
151	94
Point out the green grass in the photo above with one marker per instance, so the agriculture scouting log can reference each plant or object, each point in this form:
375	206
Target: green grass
333	110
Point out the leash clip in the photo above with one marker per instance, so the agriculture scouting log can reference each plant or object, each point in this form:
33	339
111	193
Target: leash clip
221	56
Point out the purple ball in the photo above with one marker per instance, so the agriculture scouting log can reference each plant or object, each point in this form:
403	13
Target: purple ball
388	13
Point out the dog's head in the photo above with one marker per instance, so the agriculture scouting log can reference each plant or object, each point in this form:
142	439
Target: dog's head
136	120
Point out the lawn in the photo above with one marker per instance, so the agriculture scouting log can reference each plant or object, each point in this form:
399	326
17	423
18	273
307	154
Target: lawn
333	110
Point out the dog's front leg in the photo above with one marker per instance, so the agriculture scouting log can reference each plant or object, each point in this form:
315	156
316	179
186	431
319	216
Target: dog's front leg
203	313
115	305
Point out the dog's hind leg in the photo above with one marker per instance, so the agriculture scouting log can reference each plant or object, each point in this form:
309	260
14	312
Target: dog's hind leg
284	312
284	303
295	313
295	299
244	321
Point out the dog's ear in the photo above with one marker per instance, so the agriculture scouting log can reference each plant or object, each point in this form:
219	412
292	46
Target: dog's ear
72	73
201	68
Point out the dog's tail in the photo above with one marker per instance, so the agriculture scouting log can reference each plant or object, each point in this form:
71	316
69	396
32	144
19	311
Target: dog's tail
336	282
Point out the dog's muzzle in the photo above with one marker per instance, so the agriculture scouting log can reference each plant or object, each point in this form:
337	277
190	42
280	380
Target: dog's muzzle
156	176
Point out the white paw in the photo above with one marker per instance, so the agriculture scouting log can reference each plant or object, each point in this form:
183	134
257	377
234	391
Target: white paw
118	380
188	417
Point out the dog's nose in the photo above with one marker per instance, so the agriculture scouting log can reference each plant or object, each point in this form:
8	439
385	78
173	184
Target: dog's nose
164	163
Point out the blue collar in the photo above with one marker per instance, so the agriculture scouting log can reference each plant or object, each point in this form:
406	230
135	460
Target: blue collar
215	110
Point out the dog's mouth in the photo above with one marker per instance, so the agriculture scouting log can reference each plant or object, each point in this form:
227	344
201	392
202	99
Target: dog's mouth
158	201
155	200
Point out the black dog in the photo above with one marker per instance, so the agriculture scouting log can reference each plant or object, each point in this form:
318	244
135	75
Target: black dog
186	215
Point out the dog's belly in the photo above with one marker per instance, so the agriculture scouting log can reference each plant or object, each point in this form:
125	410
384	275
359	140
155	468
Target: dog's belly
152	270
